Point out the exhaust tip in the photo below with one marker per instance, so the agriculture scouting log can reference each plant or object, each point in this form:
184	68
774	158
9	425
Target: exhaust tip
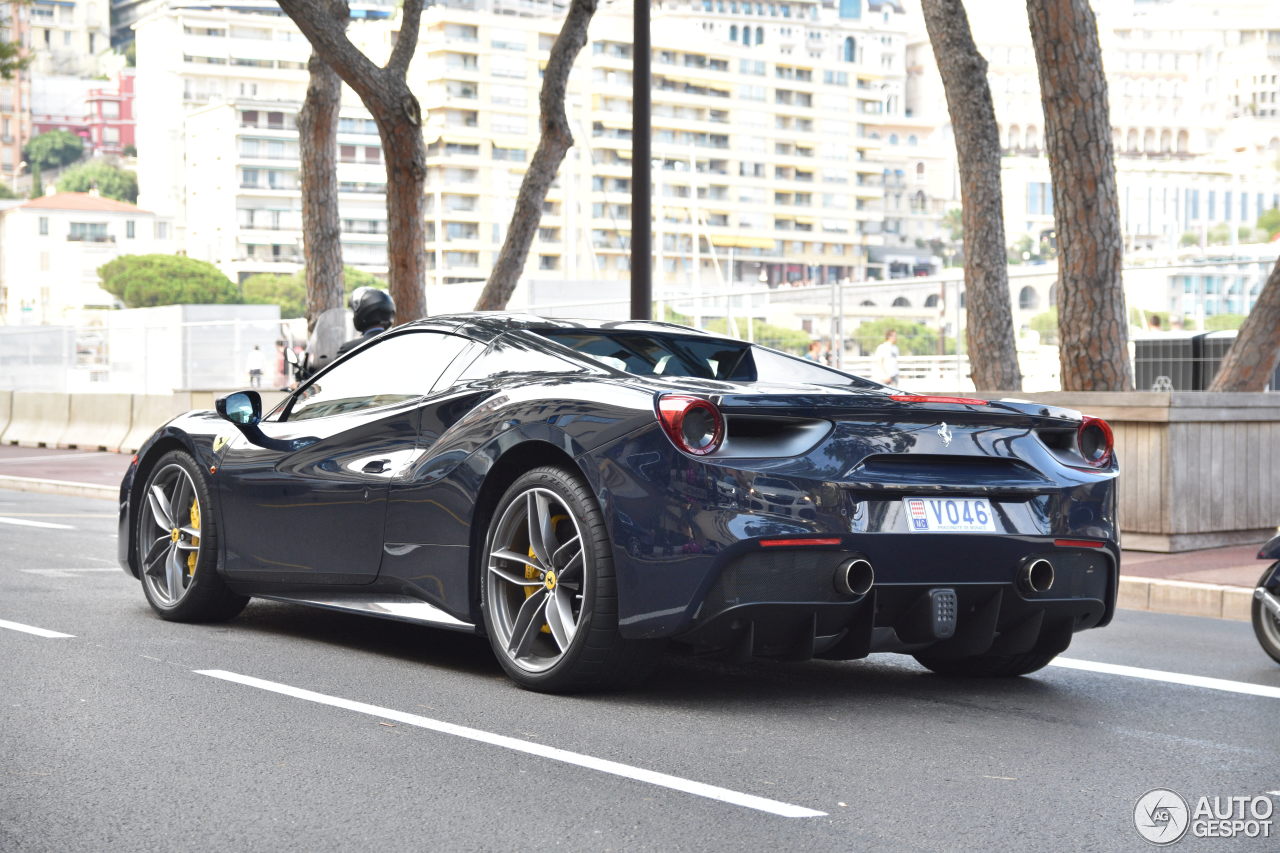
1037	576
855	577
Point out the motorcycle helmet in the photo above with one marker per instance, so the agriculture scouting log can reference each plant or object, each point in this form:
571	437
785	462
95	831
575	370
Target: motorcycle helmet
372	308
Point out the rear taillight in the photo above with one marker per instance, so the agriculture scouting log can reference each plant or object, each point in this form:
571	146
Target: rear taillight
933	398
1095	441
694	424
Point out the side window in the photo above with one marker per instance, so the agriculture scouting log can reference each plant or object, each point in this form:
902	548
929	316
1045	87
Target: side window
400	368
509	355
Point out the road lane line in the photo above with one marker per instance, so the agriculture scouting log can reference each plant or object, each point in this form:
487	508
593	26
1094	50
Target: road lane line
66	573
25	522
30	629
615	768
1170	677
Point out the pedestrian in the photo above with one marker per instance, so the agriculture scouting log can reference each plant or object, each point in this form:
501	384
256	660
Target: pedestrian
815	351
254	364
885	362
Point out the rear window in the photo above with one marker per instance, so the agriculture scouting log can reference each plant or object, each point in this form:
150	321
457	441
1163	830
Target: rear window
653	354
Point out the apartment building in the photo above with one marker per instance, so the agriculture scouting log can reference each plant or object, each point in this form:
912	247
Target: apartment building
764	151
67	36
51	248
1193	148
15	95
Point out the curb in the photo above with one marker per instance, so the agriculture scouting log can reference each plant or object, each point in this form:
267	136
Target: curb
69	488
1179	598
1184	598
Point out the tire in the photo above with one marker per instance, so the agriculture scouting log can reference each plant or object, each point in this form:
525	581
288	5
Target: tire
177	558
1266	627
988	666
551	609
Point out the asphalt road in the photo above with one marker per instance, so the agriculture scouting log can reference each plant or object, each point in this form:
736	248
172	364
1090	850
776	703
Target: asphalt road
118	738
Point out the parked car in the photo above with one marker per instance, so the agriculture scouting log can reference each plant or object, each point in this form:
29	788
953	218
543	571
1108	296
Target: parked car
584	493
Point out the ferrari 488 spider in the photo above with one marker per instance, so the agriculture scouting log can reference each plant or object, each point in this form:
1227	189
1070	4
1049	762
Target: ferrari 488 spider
586	493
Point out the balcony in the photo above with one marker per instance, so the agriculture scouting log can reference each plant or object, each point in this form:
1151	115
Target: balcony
90	238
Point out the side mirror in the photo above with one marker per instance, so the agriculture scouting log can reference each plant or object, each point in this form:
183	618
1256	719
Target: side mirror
243	408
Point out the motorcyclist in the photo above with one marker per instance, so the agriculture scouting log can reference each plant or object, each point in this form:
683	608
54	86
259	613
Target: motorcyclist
374	312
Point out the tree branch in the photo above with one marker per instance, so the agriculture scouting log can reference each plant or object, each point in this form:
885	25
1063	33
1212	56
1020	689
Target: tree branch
402	53
331	41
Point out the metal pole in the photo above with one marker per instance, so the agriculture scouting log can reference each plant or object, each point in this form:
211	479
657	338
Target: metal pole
641	242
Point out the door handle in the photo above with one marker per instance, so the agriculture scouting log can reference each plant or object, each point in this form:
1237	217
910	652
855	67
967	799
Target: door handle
377	466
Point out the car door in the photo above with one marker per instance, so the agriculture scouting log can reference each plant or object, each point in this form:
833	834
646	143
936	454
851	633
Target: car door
306	503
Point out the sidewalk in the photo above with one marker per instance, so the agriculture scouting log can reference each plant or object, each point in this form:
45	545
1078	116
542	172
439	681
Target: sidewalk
1217	582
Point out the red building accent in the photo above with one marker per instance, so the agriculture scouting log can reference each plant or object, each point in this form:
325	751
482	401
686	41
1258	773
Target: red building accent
109	116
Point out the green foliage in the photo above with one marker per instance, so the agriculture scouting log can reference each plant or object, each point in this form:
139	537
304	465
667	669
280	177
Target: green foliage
1022	246
953	221
290	291
131	54
11	59
130	151
1189	238
1269	221
1220	234
37	182
53	149
1046	325
142	281
111	181
6	191
1223	322
913	338
768	334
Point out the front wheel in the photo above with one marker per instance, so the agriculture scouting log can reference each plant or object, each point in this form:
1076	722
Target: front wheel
176	547
1266	625
548	591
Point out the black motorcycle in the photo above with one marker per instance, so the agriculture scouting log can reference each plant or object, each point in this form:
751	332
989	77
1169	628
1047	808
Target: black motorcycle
1266	601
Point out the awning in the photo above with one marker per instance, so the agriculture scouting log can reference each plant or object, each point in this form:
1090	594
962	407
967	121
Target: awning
741	241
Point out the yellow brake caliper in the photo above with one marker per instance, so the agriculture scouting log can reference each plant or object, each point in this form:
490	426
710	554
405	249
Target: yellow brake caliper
530	573
195	540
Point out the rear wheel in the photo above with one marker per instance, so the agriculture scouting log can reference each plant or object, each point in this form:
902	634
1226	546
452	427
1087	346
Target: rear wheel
988	665
548	593
176	547
1266	625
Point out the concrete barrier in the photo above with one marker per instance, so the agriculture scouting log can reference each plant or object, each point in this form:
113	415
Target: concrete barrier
6	410
39	418
149	411
98	421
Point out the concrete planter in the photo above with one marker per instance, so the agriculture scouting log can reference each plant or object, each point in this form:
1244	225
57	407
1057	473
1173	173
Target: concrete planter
1198	469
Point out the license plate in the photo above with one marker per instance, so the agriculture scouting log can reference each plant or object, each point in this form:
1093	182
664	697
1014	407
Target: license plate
949	515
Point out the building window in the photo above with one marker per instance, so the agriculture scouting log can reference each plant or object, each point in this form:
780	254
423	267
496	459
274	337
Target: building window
129	229
162	230
44	226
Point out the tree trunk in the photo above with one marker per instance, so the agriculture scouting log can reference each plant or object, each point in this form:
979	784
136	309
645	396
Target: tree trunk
399	122
993	355
1252	358
1092	332
395	110
318	147
555	140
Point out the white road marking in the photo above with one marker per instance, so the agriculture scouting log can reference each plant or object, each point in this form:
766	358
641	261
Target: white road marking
26	522
615	768
30	629
65	573
22	460
1170	677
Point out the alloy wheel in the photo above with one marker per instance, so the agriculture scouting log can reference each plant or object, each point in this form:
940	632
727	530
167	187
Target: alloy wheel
169	535
536	580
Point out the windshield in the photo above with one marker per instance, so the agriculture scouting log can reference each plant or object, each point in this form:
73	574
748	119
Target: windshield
656	354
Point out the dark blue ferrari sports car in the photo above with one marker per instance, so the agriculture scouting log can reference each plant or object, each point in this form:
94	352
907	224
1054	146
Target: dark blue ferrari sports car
585	493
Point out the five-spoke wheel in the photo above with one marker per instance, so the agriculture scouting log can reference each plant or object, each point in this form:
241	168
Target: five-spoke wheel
536	578
175	545
548	591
